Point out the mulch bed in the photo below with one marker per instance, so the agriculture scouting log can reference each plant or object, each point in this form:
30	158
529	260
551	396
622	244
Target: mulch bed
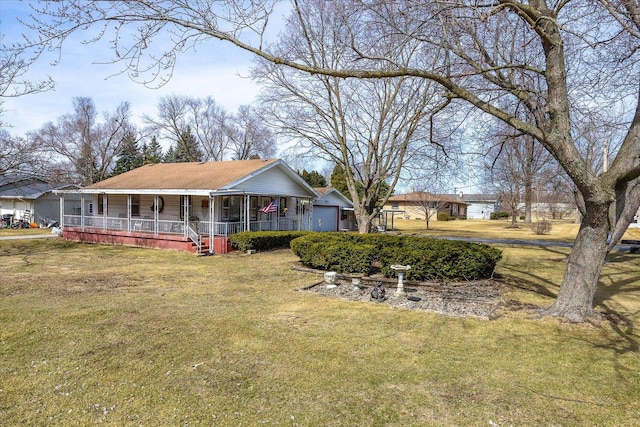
478	299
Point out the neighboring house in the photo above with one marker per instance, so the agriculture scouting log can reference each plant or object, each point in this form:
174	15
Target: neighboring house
550	207
415	205
480	206
24	194
191	206
332	211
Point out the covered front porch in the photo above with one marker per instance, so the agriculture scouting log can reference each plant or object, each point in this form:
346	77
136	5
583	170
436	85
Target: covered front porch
196	221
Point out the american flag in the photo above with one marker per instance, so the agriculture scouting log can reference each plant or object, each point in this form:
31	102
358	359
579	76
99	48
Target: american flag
271	207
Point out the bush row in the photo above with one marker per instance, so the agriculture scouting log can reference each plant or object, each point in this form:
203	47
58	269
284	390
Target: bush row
499	215
430	259
263	240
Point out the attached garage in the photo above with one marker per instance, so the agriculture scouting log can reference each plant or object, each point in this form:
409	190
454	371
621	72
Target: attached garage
325	218
332	211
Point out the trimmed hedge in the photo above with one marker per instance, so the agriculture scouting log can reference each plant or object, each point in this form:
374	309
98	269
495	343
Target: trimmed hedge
430	259
437	259
499	215
264	240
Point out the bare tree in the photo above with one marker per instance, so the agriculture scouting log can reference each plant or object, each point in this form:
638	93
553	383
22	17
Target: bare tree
427	203
218	134
20	155
210	124
505	176
515	168
367	128
13	66
88	145
560	53
249	136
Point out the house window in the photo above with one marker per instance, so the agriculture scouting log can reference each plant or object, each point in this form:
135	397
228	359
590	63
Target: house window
231	208
253	208
100	204
282	207
135	205
394	205
226	202
183	200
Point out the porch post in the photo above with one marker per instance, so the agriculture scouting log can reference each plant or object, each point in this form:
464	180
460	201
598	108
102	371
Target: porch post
105	210
211	223
61	211
186	215
247	213
82	211
155	214
128	213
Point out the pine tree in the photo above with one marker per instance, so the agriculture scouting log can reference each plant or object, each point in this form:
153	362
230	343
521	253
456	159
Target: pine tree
130	156
313	178
339	181
187	149
152	153
169	156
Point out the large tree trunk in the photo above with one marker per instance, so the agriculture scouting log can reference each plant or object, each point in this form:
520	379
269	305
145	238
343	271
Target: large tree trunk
575	298
364	222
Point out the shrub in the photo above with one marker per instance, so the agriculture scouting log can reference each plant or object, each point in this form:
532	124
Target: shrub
264	240
438	259
328	251
499	215
442	216
541	227
430	259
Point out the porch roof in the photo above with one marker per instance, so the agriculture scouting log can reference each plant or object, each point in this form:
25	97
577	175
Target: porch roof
194	178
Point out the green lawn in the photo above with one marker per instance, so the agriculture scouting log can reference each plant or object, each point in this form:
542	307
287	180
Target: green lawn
125	336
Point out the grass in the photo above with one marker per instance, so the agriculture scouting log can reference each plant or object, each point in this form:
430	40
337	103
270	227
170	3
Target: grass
125	336
562	230
23	231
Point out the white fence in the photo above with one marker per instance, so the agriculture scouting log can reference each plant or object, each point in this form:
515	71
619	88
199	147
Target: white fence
176	227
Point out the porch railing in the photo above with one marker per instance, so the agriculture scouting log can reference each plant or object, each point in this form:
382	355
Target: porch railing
177	227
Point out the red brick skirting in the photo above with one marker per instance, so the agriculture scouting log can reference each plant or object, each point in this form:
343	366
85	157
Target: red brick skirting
140	239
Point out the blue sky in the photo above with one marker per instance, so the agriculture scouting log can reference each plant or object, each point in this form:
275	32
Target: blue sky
217	69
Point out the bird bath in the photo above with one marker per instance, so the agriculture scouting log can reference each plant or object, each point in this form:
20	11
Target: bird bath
330	279
400	270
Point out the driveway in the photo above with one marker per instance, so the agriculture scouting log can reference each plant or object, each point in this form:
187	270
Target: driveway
522	242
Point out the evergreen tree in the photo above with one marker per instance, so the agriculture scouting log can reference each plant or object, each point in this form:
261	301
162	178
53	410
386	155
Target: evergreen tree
339	181
152	153
313	178
130	156
169	156
187	149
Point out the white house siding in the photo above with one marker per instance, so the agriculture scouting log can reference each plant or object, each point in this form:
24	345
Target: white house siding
477	210
14	207
272	182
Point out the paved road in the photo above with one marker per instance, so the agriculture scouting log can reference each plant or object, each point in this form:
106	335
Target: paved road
523	242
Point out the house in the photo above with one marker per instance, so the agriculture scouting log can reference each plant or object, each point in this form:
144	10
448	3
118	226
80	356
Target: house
26	195
332	211
419	204
480	206
191	206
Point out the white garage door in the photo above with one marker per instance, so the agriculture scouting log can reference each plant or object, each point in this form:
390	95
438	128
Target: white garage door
325	218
